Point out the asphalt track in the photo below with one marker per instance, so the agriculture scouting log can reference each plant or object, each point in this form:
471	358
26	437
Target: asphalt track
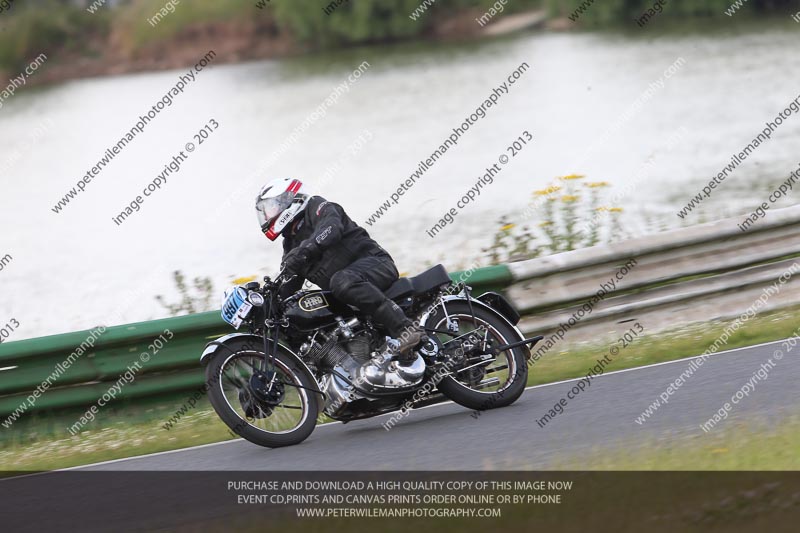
449	437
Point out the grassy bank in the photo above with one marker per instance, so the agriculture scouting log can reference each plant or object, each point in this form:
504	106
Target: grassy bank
43	443
574	360
614	12
121	39
743	446
147	35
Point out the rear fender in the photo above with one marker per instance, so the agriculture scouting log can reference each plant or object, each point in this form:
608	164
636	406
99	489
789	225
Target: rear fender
500	303
480	304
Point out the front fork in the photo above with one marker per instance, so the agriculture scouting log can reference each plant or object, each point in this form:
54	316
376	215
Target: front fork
271	333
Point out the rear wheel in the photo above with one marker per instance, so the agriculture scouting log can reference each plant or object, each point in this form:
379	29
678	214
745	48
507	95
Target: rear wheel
269	408
477	381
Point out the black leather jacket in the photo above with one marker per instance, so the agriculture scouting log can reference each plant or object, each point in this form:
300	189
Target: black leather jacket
335	240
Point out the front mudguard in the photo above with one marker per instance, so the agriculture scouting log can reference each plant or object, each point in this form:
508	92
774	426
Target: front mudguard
220	344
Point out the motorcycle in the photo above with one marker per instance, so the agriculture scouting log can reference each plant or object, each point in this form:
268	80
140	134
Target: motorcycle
309	354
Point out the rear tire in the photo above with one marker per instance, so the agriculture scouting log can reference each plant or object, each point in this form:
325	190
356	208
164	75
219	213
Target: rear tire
502	333
224	404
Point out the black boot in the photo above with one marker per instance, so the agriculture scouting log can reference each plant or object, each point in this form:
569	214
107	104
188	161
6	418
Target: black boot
407	334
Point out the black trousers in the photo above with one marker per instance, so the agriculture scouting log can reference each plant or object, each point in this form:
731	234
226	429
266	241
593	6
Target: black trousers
362	282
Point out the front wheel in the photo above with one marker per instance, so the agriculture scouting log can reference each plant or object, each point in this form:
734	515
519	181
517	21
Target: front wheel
475	380
271	407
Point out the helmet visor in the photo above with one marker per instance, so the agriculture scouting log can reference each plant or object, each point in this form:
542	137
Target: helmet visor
269	209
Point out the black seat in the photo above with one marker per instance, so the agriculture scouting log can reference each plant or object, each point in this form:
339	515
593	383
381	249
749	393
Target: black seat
399	289
431	280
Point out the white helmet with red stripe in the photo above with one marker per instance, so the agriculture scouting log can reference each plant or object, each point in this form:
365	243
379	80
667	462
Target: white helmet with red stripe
278	204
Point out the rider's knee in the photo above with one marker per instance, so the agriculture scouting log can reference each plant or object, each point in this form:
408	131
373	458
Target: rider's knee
341	282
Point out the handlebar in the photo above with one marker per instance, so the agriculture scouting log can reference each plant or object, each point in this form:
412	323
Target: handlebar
282	277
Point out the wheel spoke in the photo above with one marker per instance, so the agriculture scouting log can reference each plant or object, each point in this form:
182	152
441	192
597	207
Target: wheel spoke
284	417
462	335
234	381
253	365
241	372
470	367
502	366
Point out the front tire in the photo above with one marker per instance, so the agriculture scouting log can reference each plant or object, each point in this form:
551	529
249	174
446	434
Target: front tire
289	422
471	388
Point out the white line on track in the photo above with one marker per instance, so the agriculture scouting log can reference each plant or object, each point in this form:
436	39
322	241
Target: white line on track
156	454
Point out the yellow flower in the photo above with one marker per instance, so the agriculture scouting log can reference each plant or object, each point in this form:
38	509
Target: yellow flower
572	177
596	184
550	190
508	227
601	209
569	198
242	281
545	224
615	209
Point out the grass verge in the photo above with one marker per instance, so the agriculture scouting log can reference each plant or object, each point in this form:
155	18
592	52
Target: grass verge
574	360
744	446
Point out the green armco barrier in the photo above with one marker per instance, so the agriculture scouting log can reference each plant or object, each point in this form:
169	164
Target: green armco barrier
173	369
492	278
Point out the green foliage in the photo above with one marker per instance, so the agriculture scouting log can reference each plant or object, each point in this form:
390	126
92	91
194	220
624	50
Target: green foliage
361	21
189	304
50	29
132	23
573	218
351	22
611	11
57	27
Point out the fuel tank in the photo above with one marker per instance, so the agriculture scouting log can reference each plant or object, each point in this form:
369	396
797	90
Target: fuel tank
316	309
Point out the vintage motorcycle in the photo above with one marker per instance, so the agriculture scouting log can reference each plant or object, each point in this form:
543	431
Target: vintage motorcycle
309	354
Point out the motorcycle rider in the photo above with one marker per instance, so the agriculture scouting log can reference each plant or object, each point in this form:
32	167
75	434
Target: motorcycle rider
323	245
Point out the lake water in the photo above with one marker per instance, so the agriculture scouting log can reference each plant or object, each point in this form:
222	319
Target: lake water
578	99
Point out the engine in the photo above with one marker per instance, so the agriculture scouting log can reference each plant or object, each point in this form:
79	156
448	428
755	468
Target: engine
341	347
346	361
